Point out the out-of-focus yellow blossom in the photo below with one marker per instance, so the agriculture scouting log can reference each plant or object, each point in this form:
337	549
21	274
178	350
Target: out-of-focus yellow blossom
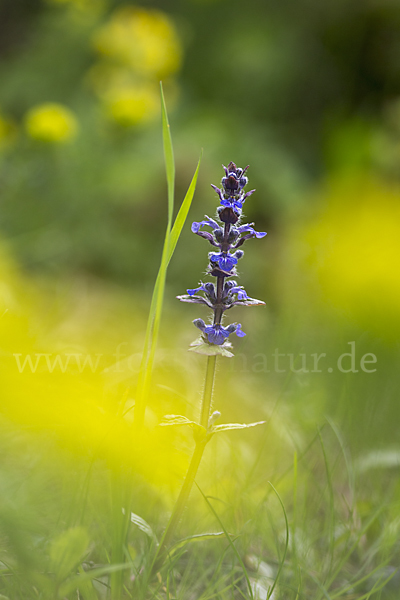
144	40
71	376
354	246
132	105
52	123
8	132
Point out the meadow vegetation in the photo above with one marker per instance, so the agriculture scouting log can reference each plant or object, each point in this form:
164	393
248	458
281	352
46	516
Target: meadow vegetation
94	252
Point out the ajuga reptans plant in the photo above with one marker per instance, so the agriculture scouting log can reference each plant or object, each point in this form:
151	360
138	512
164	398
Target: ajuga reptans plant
228	236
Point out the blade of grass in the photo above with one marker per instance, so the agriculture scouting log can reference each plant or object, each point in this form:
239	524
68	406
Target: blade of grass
353	547
74	583
299	586
350	472
331	507
378	586
286	544
228	537
321	587
183	212
157	300
171	238
294	543
169	157
353	584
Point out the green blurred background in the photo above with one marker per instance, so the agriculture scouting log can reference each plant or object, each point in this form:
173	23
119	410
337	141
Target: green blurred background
306	92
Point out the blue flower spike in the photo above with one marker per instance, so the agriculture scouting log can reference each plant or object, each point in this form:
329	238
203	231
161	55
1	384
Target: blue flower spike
227	235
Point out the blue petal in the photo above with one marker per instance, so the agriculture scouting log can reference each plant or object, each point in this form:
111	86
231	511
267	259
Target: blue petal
192	292
225	202
210	223
239	331
227	262
216	334
244	228
240	291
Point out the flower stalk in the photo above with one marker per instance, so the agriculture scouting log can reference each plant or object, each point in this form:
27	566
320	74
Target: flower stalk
228	235
201	442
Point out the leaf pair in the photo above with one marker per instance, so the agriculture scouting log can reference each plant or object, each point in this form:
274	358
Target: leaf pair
173	420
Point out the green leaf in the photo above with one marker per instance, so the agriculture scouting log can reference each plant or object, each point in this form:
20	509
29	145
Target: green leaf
200	537
67	551
169	156
86	587
228	426
80	580
176	420
171	420
143	526
183	212
171	238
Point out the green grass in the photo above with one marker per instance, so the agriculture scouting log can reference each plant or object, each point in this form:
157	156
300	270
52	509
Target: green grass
76	524
43	555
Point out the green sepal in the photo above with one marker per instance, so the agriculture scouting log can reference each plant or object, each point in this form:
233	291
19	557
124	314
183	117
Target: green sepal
201	347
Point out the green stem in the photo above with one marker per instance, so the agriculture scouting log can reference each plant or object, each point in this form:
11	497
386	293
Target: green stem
191	472
208	390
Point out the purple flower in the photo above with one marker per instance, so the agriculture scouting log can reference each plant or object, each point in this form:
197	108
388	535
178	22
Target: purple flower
239	331
235	202
231	202
225	261
240	291
208	288
196	226
251	232
217	333
227	235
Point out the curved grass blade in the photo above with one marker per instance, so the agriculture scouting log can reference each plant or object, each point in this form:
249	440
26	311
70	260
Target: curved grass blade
168	156
75	582
171	238
331	506
286	544
230	542
183	212
200	537
352	548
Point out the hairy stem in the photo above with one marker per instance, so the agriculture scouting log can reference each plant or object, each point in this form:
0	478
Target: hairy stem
191	472
208	390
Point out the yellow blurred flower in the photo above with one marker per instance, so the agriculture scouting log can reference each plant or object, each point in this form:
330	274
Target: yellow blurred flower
144	40
71	376
354	250
51	122
132	105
